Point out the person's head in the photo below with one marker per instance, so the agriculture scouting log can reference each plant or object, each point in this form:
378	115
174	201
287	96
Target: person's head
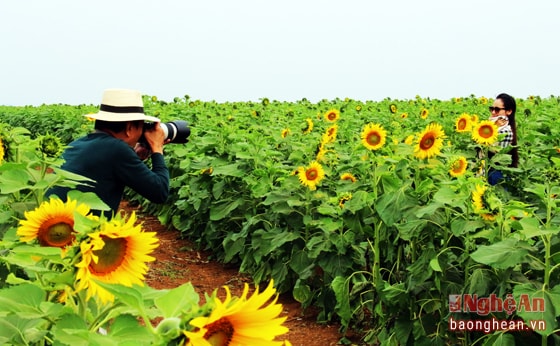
128	131
121	113
504	104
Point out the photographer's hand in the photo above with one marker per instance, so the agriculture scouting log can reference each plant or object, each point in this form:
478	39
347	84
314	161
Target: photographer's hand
155	138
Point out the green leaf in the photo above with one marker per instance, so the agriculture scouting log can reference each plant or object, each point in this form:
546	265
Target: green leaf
504	254
14	330
479	281
531	228
222	210
500	339
125	328
129	296
393	206
89	198
462	226
229	170
359	200
13	180
408	230
448	196
23	300
301	264
302	293
178	300
528	300
342	294
434	264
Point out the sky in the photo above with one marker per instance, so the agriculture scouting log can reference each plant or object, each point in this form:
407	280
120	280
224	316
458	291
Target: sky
69	51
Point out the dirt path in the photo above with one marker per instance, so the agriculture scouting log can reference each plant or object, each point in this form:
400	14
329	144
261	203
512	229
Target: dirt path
178	261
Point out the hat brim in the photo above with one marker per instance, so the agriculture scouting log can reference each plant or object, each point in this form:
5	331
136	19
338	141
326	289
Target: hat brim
108	116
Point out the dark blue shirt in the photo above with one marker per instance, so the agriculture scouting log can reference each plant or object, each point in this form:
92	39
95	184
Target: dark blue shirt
113	164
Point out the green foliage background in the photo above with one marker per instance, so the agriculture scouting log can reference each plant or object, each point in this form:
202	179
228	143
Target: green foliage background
386	262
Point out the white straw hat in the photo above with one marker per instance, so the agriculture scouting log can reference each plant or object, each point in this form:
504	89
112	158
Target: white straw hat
121	105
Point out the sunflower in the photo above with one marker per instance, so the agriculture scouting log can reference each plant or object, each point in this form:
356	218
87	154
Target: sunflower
485	132
458	166
430	142
207	171
332	115
393	108
285	133
478	198
358	108
344	198
309	126
50	145
348	176
117	253
480	204
330	135
312	175
373	136
463	123
404	115
242	321
409	139
474	119
1	150
424	113
483	100
52	223
321	152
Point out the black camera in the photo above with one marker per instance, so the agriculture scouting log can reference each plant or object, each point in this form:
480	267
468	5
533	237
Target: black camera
176	131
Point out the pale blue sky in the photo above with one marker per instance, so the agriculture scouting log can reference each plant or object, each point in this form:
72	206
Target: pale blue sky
68	51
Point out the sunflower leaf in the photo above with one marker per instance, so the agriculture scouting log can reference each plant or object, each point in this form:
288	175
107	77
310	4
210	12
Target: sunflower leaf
177	300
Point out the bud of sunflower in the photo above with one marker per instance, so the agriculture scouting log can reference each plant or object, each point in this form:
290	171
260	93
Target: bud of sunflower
169	328
50	145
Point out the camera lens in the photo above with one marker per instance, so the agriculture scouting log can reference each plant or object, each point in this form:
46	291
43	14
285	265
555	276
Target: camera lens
176	131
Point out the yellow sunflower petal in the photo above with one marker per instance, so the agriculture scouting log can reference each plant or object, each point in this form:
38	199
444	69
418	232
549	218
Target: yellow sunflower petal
373	136
117	253
52	223
464	123
485	132
458	167
242	321
332	115
430	142
312	175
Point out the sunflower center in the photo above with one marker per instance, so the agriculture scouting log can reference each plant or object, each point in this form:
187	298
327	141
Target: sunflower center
57	235
373	138
427	142
331	116
462	124
457	166
485	131
110	257
219	332
311	174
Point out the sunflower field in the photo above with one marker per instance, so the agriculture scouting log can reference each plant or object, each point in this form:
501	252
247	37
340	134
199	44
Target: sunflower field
373	212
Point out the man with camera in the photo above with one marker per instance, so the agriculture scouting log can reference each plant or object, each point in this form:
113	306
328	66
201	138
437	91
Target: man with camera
107	155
